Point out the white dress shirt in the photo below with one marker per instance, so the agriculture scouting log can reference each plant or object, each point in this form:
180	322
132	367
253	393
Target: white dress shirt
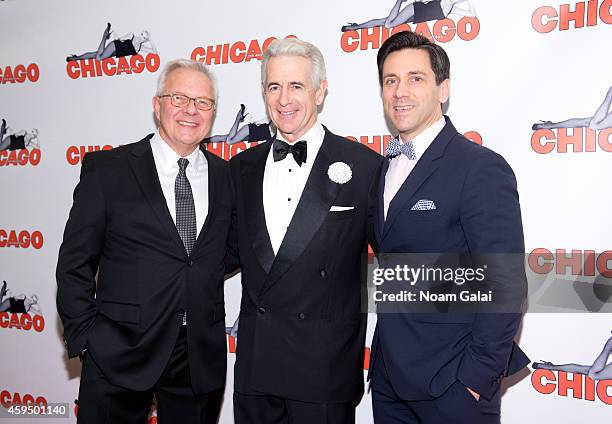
284	182
400	166
166	163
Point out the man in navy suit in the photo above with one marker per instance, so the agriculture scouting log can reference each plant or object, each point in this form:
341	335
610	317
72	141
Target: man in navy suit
439	193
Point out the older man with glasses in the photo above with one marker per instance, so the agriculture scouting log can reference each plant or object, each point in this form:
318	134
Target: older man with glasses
140	270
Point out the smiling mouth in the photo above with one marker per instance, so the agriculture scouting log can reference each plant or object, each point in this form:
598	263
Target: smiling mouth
187	124
287	114
403	108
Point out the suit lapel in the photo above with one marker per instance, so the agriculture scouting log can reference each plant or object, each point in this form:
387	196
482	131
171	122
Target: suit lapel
143	166
317	198
252	174
421	172
379	217
213	177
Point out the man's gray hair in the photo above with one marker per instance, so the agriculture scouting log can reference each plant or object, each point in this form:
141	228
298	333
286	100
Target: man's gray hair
295	47
173	65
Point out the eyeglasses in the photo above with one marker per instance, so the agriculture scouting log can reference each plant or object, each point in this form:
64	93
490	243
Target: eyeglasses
180	100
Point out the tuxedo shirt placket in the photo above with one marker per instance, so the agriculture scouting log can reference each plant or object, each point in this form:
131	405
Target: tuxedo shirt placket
283	184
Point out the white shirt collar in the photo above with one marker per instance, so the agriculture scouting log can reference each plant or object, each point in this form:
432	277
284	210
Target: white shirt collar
313	137
422	141
168	158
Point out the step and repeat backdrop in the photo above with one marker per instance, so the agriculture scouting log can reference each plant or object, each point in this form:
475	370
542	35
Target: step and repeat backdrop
530	79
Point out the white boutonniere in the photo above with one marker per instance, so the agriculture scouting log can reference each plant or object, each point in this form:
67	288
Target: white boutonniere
340	172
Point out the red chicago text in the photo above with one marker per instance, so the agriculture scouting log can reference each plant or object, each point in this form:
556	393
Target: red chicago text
112	66
585	13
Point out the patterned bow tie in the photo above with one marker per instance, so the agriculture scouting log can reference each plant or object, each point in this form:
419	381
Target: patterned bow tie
281	149
396	148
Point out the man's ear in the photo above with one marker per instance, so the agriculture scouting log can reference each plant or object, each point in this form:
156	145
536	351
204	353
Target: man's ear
320	93
444	91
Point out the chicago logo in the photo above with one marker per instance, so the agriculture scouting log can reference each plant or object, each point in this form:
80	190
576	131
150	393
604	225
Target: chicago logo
127	54
236	52
372	33
18	148
21	240
585	13
582	134
587	380
19	74
20	312
570	280
75	154
8	399
576	263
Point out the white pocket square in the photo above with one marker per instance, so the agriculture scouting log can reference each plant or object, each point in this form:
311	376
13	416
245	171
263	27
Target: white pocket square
341	208
424	205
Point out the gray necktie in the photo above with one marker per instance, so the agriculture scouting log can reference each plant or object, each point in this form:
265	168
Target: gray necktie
185	207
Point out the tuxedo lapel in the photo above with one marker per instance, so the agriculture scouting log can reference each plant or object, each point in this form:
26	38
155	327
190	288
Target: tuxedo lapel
424	168
213	177
317	198
143	166
252	174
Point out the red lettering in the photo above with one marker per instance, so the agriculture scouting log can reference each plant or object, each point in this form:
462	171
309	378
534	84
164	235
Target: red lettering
541	261
8	76
137	63
444	30
544	388
573	260
231	344
234	56
254	51
20	73
543	147
72	69
123	67
565	384
603	260
604	139
474	137
33	72
198	54
213	53
539	25
567	15
153	62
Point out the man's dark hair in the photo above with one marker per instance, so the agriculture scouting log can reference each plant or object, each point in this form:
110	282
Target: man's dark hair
409	40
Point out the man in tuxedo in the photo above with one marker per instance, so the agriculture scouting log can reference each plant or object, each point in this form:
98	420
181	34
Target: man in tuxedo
141	266
301	212
439	193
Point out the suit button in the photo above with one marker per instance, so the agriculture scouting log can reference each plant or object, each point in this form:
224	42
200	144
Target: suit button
323	273
301	315
261	311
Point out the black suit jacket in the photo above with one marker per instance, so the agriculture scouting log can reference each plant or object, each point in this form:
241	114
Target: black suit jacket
120	229
477	214
301	332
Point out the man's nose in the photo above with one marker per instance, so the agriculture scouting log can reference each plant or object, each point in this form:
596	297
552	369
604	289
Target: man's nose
191	107
402	89
284	98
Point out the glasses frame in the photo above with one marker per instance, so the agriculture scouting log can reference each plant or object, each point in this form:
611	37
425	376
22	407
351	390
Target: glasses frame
195	101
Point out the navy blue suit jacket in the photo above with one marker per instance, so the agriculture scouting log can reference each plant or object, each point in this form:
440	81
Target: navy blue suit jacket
477	211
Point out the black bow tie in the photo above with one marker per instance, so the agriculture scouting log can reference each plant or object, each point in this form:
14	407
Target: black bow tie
298	150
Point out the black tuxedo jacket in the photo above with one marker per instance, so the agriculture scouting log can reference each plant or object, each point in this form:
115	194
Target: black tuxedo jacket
477	213
120	229
301	332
